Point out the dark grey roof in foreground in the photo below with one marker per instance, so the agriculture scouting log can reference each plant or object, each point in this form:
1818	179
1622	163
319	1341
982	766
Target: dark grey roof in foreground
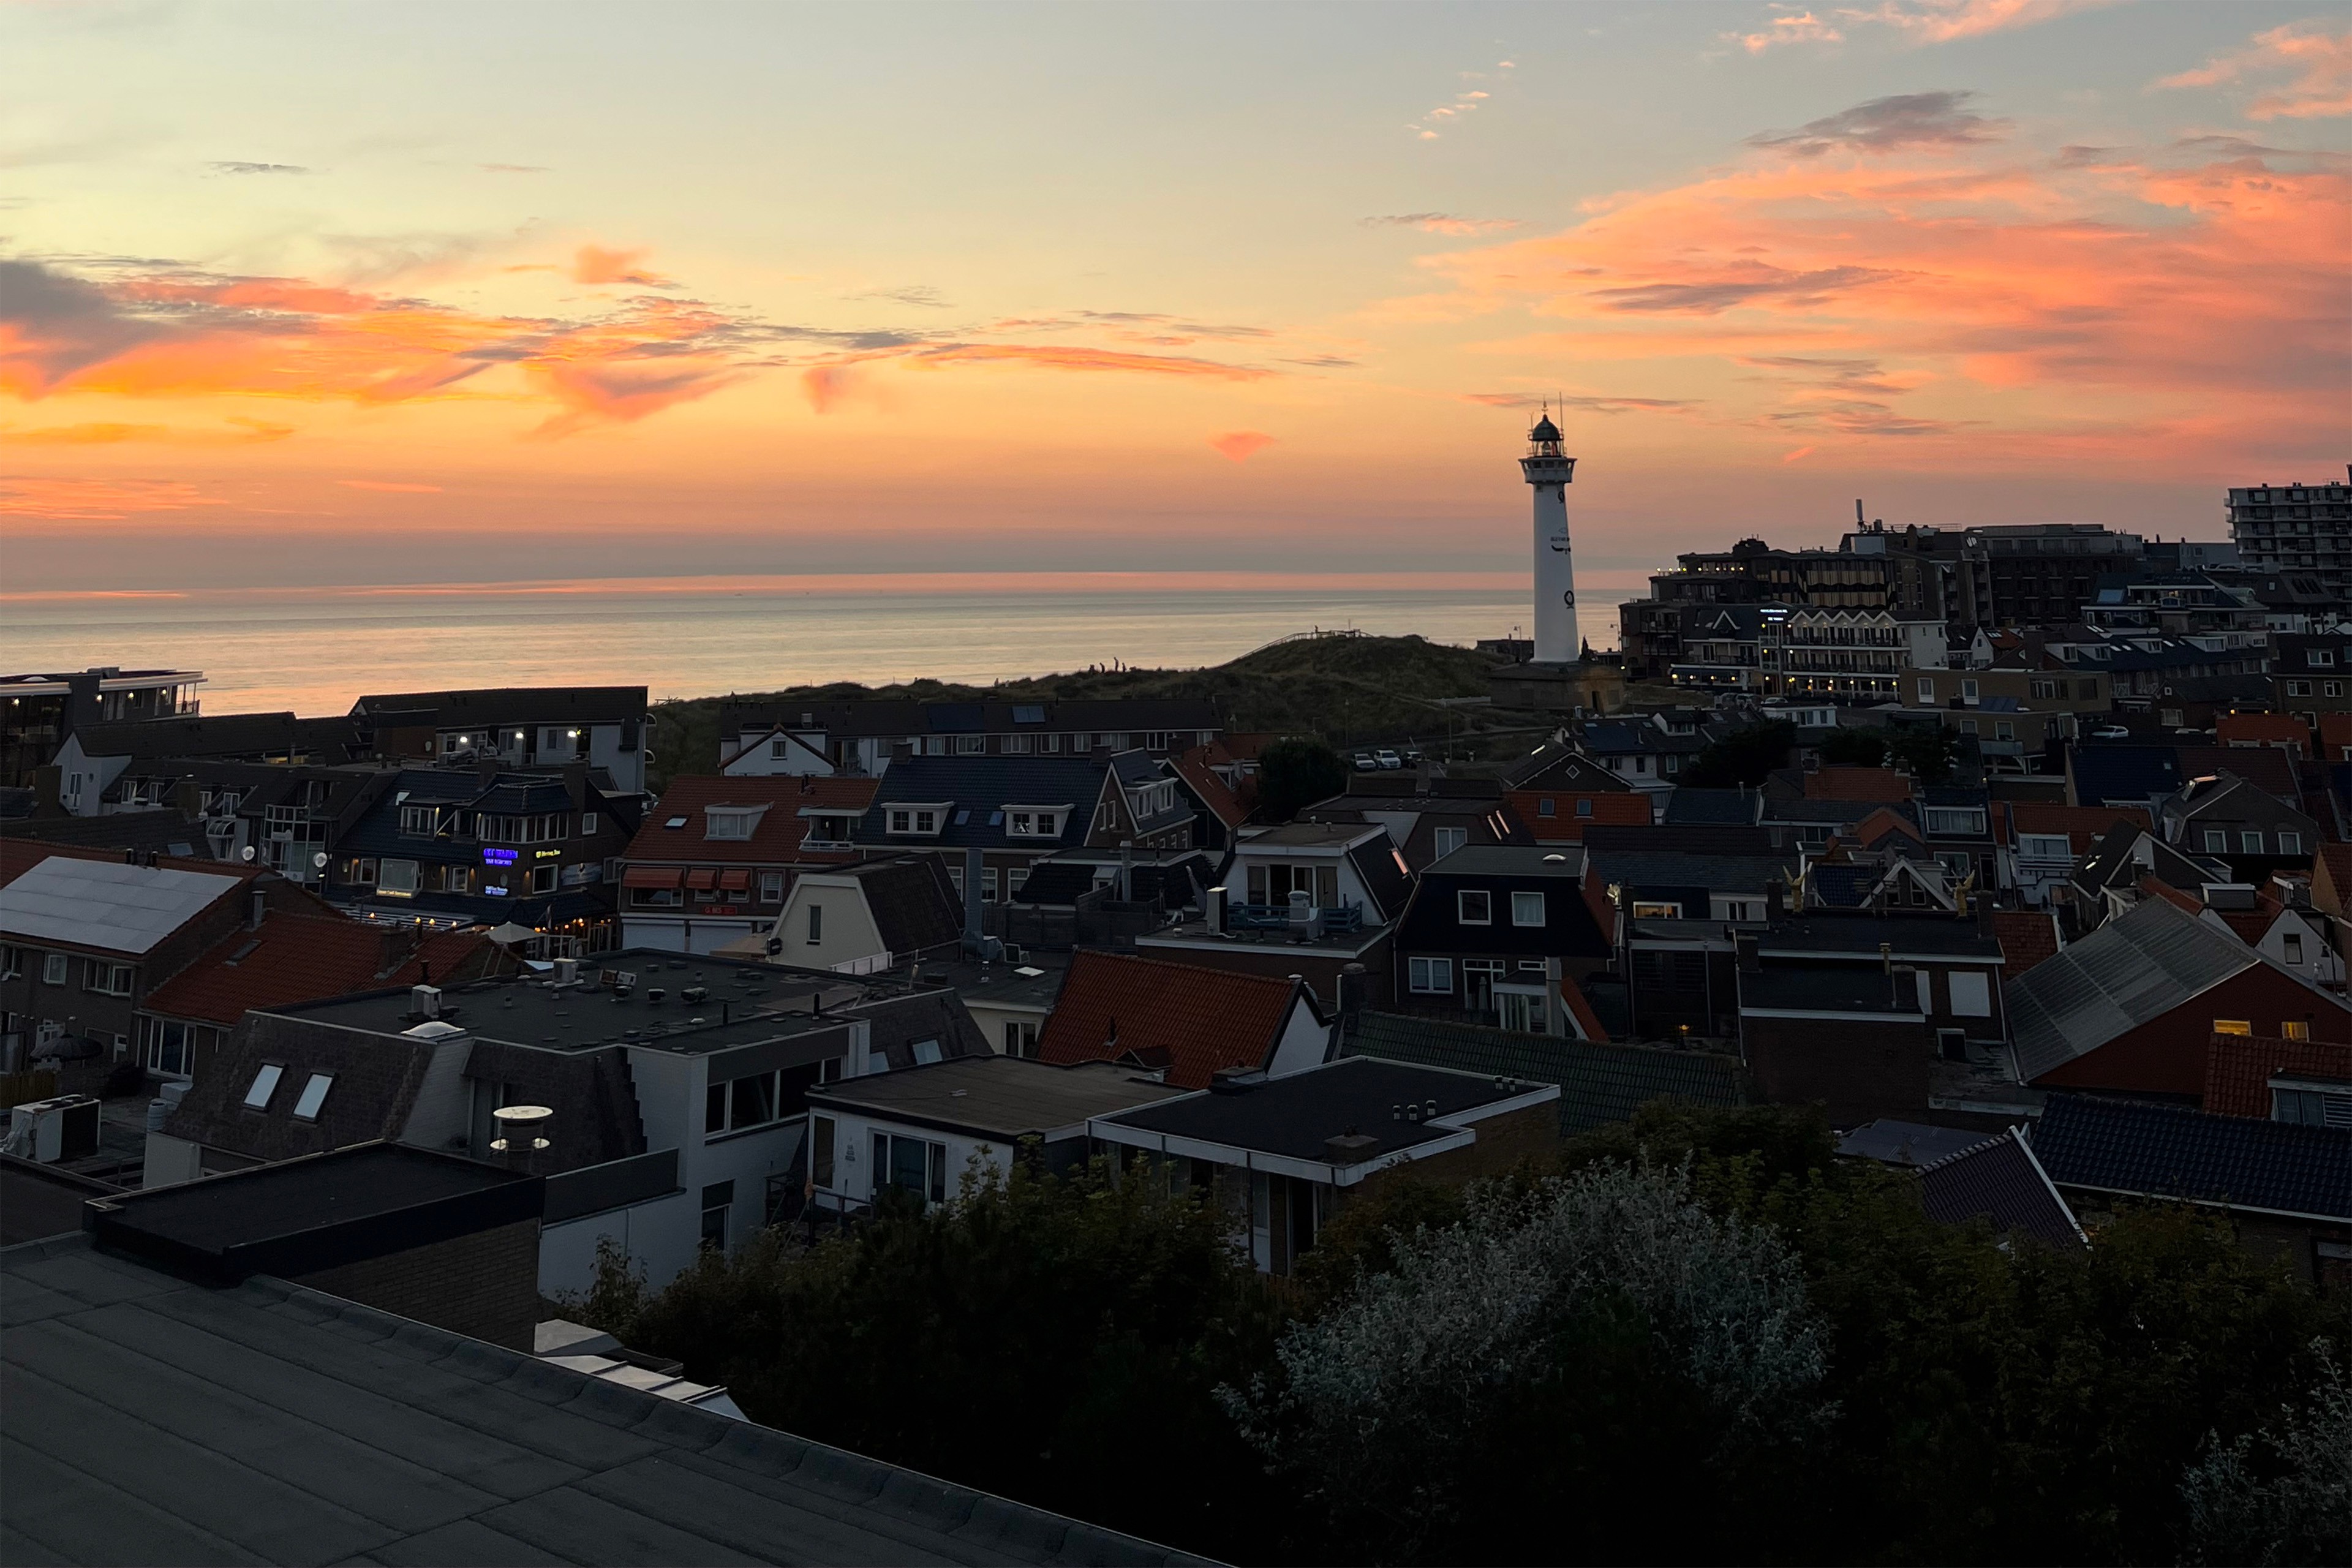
1998	1180
151	1420
2128	972
1599	1083
2172	1152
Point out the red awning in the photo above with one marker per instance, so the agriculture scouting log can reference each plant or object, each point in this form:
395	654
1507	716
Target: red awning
651	877
735	880
702	878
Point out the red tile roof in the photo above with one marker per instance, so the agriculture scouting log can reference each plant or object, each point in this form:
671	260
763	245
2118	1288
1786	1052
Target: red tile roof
1113	1004
2331	878
2262	730
1572	997
2084	825
2335	737
1856	784
2239	1067
2267	768
1196	768
294	959
775	841
2027	937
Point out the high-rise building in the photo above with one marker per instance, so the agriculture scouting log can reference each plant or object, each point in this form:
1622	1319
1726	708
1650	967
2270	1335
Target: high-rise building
2002	575
2306	527
1548	472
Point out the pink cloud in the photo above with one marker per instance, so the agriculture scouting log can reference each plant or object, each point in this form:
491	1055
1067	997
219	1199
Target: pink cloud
1240	445
393	485
2320	59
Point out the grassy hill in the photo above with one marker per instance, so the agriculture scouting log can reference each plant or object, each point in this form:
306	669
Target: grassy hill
1348	689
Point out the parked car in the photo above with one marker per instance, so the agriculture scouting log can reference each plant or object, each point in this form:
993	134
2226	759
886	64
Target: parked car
1366	763
2111	732
1389	759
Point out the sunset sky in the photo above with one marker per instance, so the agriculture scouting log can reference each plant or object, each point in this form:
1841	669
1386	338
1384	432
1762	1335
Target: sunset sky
314	293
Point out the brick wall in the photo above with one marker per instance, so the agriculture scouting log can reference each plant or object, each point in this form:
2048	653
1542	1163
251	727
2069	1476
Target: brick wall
1503	1142
1858	1071
485	1284
1566	825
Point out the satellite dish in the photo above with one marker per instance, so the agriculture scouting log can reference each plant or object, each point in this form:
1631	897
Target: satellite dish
320	860
246	853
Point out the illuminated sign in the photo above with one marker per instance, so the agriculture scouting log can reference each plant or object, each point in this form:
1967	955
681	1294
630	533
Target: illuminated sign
549	854
494	891
498	856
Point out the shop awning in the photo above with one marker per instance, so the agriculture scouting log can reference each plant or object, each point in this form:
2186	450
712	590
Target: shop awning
701	879
734	879
651	877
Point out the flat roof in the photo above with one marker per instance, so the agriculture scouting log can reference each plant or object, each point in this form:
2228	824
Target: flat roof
1006	1096
281	1424
1563	860
744	1002
1034	983
1312	835
1295	1115
105	903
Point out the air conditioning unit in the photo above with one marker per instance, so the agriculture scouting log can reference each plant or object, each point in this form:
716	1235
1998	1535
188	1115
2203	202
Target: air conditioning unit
48	1131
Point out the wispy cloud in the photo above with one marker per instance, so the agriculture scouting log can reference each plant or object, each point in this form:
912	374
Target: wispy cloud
1586	402
1240	445
1446	116
1441	222
595	264
96	500
243	432
1057	356
396	487
2319	60
1921	21
238	167
921	295
514	168
1887	125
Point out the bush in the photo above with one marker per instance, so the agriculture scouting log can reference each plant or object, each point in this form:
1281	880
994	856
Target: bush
1853	748
1293	774
1742	757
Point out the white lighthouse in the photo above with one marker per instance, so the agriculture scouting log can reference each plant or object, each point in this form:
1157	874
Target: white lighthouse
1548	473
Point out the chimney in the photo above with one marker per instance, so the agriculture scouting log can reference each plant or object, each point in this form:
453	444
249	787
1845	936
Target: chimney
519	1142
902	751
255	910
1215	909
1349	1148
971	869
1750	960
1354	981
424	1001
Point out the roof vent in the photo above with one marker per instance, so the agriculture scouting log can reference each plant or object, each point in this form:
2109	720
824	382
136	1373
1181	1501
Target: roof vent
519	1126
424	1001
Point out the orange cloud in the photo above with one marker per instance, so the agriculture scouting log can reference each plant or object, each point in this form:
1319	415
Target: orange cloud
1924	21
2323	60
1240	445
2140	303
1056	357
101	434
394	486
96	500
594	264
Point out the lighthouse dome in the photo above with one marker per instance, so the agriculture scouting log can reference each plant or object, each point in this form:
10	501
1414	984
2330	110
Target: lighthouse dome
1545	430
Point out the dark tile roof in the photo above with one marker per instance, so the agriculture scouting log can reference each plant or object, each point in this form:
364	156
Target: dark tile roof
2165	1150
1431	924
1716	873
1114	1006
1557	767
1688	806
1599	1083
1999	1180
1688	839
775	839
1297	1114
511	705
980	787
898	1022
1056	882
376	1079
278	1424
913	904
1385	877
592	1094
2124	775
1912	1144
162	831
210	735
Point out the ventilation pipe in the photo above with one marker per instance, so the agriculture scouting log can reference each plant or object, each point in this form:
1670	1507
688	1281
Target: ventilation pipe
519	1143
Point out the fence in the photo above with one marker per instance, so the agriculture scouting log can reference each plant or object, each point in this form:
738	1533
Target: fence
18	1088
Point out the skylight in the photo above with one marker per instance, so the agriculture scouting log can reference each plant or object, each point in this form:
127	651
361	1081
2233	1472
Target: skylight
265	1084
674	822
314	1094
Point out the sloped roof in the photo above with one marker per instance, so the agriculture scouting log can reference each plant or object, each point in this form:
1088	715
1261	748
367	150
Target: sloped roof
2081	825
979	787
1717	873
1599	1082
105	904
491	706
1999	1180
375	1079
2168	1150
294	959
280	1424
191	735
2129	971
1206	784
1687	807
1557	767
162	831
2027	938
2127	775
2239	1069
2262	730
912	901
1836	783
1115	1005
776	838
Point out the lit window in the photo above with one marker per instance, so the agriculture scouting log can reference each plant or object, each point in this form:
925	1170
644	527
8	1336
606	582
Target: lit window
2294	1029
2233	1026
314	1095
265	1084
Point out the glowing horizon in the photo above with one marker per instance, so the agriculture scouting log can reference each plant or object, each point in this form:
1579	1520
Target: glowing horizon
1128	290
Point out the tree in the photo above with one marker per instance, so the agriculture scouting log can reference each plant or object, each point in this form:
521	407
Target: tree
1853	748
1742	757
1295	773
2301	1511
1928	753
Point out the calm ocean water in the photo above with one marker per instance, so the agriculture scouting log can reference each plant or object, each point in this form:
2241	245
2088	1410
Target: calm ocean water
314	650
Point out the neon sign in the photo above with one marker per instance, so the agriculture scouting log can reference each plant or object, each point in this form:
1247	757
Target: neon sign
498	856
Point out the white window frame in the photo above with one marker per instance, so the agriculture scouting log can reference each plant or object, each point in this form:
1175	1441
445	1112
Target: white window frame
1522	903
1430	976
1462	906
1449	839
54	968
1970	991
398	876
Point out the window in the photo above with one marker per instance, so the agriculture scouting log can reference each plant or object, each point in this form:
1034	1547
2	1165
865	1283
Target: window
2298	688
12	963
1926	691
1971	993
1474	906
1526	909
716	1199
587	823
771	887
106	979
53	969
265	1084
2249	841
2294	1029
915	1165
2320	658
2290	842
2233	1026
926	1052
313	1096
419	821
1449	839
2216	841
397	877
822	1134
2318	1104
1644	910
738	1104
1968	726
971	745
1543	807
1584	805
2293	945
988	884
2046	846
727	822
1431	976
2331	689
1967	691
1955	819
2003	730
170	1048
817	924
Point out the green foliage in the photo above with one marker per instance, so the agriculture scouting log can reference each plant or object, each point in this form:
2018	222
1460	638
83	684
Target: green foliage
2282	1495
1055	1339
1742	757
1928	753
1853	748
1295	774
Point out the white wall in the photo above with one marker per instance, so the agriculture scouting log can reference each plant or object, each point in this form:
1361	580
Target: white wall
674	933
1304	1044
853	1171
848	932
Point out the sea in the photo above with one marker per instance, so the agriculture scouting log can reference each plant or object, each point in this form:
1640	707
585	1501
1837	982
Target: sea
313	650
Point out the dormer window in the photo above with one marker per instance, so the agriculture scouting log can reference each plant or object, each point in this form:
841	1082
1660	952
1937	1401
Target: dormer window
1035	821
732	822
920	820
